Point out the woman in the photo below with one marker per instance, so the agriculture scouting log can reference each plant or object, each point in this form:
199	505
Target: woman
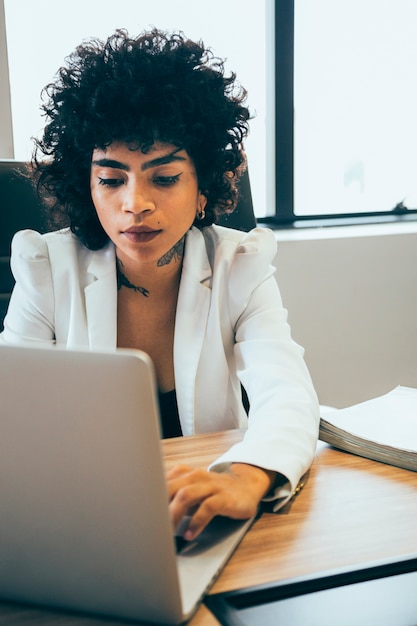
141	152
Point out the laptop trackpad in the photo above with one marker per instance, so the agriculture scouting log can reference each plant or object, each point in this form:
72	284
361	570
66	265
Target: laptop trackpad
217	531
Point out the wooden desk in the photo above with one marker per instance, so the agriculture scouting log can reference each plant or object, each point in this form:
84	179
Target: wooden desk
350	511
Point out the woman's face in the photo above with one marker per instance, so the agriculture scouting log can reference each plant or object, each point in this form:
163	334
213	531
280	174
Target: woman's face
145	202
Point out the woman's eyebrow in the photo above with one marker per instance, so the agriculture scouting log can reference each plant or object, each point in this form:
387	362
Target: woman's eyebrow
163	160
111	163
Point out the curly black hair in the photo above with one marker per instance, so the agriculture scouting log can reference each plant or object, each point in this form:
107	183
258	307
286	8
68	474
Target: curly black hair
158	86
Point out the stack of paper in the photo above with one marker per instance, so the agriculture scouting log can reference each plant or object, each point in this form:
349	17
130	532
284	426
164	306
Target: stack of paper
383	429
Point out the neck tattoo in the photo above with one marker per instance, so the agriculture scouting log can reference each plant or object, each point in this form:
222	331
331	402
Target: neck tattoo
122	281
176	253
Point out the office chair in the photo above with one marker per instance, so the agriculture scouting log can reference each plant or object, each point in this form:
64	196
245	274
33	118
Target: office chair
20	208
243	217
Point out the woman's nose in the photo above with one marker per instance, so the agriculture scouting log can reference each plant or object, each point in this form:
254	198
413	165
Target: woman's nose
137	199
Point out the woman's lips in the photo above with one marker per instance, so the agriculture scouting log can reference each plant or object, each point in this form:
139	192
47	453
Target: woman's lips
140	235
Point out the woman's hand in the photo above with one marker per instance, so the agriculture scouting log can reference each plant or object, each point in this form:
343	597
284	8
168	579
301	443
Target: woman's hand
235	493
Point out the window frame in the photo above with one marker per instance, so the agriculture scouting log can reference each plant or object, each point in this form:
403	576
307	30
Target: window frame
284	216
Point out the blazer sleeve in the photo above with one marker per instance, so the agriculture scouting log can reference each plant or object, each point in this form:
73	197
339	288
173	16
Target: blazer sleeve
30	316
284	412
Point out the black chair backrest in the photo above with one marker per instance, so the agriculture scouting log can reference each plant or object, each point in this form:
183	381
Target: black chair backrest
20	208
243	217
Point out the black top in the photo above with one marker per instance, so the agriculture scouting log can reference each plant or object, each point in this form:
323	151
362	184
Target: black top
170	420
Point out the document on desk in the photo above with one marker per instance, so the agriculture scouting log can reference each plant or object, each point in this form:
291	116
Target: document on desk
383	429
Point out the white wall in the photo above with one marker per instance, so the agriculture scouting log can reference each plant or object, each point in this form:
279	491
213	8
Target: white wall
6	137
351	294
39	39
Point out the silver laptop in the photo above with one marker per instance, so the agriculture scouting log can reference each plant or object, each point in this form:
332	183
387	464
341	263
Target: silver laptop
84	521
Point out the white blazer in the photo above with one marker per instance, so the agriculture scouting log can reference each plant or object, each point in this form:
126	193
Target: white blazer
231	328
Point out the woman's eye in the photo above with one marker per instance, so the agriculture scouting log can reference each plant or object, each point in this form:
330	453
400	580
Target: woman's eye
110	182
166	181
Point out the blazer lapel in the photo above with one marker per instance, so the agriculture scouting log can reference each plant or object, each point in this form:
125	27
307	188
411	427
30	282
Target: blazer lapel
101	299
190	325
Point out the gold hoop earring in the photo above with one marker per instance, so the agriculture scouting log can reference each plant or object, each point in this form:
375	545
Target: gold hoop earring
201	215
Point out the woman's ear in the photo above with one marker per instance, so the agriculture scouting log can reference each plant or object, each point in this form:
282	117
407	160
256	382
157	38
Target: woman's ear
202	202
201	205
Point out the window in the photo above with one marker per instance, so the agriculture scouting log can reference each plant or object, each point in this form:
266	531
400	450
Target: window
332	85
40	33
346	102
